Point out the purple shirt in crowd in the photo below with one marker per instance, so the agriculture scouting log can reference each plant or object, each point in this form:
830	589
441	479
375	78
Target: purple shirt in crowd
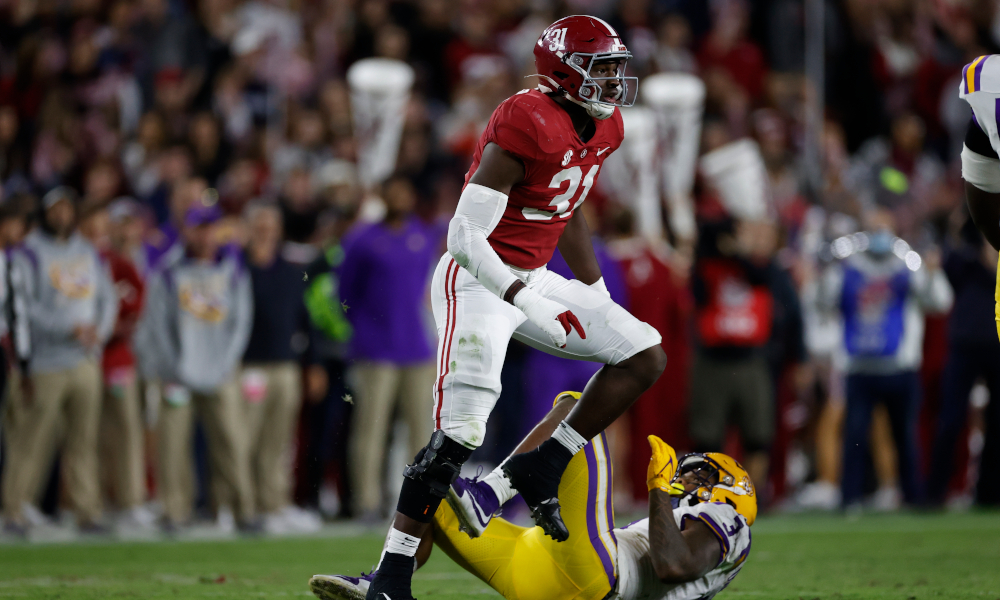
383	282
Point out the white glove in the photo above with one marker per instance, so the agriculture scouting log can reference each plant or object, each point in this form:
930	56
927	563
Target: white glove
600	286
551	317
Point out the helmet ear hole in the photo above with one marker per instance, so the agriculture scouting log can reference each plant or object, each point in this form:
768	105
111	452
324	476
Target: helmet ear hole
560	74
730	502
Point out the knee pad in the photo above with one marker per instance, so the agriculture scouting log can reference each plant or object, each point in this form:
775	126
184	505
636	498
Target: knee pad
427	480
438	464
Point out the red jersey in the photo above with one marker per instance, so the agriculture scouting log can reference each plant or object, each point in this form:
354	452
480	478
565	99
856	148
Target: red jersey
559	171
118	351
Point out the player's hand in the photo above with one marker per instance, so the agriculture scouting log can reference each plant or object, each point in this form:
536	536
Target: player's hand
661	469
551	317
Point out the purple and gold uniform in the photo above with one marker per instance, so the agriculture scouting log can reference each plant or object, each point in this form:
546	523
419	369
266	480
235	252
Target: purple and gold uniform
524	564
597	561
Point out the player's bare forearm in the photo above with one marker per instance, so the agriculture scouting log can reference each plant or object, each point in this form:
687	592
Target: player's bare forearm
498	169
678	556
547	425
577	249
985	210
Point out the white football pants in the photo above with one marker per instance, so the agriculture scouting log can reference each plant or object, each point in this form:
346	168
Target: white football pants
474	327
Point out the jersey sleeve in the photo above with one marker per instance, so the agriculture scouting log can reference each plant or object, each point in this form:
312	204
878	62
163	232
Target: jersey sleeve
980	87
515	130
729	527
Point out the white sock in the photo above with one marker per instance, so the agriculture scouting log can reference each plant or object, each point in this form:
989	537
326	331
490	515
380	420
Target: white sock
399	543
500	485
569	438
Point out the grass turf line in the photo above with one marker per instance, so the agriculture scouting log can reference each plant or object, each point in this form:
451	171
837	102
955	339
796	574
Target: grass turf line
874	557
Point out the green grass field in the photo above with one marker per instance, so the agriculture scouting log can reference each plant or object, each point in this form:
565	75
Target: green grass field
807	557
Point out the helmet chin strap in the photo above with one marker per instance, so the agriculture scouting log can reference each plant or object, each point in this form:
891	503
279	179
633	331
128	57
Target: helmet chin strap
594	109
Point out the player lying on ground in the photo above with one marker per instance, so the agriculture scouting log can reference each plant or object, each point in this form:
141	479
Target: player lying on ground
691	546
535	163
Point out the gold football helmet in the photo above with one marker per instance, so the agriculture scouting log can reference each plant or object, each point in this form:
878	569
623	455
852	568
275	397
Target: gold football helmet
721	479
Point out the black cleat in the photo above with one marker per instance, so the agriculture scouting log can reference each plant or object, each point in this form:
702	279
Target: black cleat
540	491
389	590
392	579
547	516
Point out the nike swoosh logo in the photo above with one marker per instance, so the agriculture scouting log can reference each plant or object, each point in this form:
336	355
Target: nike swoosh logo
475	507
603	150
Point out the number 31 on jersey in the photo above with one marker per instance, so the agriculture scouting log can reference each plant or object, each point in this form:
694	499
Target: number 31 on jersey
561	206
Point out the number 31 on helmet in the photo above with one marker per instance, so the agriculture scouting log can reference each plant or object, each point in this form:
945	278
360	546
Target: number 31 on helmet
584	58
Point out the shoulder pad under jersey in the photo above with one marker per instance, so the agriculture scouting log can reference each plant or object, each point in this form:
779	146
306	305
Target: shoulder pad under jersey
980	87
550	125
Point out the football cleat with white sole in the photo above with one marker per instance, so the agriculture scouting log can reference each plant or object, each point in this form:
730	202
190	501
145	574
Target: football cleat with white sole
341	587
474	503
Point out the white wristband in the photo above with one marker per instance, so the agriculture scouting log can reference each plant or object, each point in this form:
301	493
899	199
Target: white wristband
981	171
600	287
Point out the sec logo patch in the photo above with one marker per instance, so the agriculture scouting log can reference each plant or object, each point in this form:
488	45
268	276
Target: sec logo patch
567	157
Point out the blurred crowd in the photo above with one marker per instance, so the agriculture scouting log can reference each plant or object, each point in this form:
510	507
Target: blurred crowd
210	313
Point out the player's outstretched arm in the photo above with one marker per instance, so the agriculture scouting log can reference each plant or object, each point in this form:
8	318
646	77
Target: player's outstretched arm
981	172
677	556
985	210
479	211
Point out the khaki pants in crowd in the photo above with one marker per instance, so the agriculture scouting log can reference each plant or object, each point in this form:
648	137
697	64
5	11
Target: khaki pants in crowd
224	420
67	401
122	443
273	396
382	387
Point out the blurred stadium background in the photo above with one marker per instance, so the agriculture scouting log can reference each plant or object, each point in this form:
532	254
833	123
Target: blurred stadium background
320	146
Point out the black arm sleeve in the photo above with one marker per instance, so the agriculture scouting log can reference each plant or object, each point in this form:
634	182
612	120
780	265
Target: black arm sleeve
977	140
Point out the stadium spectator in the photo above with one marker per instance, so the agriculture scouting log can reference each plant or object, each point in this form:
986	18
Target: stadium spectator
383	279
271	380
71	305
164	243
326	417
732	282
14	332
194	331
882	293
123	434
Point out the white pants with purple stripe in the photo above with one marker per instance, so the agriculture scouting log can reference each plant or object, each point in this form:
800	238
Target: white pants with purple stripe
474	327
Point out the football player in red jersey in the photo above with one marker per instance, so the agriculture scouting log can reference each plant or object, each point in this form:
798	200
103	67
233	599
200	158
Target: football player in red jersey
534	165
